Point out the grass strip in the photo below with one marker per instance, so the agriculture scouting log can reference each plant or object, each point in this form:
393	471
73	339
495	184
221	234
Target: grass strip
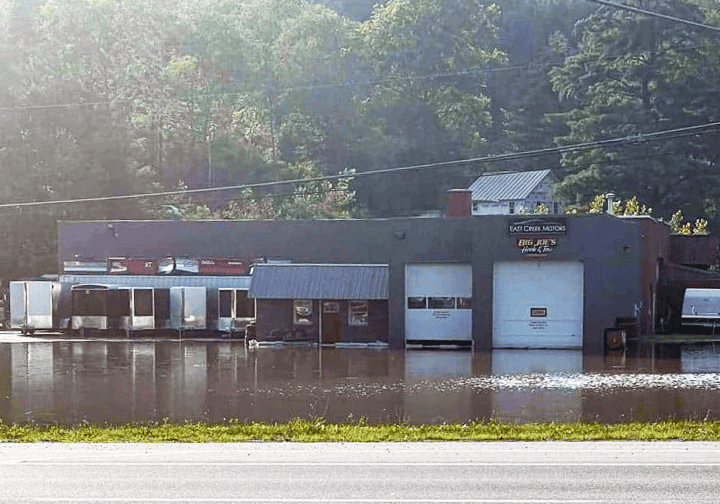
318	430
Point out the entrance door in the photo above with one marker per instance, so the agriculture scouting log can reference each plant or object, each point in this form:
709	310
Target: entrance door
538	304
331	324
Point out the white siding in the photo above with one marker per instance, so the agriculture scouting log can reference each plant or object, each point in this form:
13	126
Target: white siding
541	194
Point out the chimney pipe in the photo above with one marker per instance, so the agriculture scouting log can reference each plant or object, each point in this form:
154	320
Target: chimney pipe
610	199
460	204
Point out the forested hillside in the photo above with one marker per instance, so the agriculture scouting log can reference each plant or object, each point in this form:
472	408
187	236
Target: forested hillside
106	98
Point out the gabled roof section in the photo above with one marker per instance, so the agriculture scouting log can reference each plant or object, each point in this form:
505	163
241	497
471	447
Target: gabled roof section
506	186
319	281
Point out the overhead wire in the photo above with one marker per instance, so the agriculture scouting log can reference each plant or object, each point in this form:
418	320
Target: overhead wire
633	139
494	158
656	14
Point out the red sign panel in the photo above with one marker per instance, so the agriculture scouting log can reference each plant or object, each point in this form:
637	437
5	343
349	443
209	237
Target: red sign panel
223	267
131	266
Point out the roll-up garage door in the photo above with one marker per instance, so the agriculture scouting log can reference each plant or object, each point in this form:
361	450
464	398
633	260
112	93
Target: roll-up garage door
438	302
538	304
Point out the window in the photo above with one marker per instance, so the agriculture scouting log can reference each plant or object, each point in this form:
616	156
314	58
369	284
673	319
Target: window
464	303
416	303
302	311
225	303
331	307
143	302
117	302
88	302
244	306
358	313
555	207
441	303
511	207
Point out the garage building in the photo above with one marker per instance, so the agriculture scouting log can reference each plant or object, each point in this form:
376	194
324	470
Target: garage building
495	281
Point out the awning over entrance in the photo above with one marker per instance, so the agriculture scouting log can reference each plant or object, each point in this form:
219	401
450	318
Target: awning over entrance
319	281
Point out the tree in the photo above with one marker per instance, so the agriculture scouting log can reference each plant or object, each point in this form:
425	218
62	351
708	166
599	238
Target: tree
424	97
630	74
533	35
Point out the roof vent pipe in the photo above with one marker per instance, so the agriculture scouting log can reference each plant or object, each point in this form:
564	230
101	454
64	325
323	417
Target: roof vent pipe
610	200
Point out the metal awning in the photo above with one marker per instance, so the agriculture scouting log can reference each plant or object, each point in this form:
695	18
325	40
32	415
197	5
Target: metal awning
161	281
319	281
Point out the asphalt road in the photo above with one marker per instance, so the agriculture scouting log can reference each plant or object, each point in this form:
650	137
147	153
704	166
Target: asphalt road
361	473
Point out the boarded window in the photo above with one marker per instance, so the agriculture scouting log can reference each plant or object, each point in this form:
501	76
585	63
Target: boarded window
143	303
117	302
302	311
441	303
244	306
88	302
416	303
225	303
358	313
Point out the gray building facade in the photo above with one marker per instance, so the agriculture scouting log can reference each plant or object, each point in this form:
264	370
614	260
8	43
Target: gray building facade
606	255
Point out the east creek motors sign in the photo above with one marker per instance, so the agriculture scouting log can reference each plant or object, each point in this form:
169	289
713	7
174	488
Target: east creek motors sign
538	227
537	237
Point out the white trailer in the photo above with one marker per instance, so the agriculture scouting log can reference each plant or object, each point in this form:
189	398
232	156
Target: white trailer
32	305
112	307
188	308
701	308
236	310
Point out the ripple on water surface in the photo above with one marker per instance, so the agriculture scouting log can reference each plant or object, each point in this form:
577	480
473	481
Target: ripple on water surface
147	381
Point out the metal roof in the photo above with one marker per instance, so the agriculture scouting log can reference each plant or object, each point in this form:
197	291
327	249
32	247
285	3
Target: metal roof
506	186
319	281
161	281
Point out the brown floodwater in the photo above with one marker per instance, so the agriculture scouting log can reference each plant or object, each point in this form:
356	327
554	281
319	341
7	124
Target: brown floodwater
73	381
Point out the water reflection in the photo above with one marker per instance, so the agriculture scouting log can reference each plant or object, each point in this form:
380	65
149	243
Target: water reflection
542	403
138	381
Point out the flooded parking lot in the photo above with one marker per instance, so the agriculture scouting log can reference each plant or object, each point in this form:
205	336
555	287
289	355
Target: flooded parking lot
48	380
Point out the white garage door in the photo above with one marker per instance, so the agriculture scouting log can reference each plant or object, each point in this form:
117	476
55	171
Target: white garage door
438	302
538	304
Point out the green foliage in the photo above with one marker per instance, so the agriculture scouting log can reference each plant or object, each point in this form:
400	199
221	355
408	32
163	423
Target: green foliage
106	97
411	45
629	74
318	430
318	198
634	208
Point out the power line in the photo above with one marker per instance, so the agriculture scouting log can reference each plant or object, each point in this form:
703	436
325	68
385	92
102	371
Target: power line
634	139
317	192
656	14
63	105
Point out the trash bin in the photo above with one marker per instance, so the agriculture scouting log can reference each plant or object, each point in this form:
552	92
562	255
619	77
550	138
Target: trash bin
615	338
